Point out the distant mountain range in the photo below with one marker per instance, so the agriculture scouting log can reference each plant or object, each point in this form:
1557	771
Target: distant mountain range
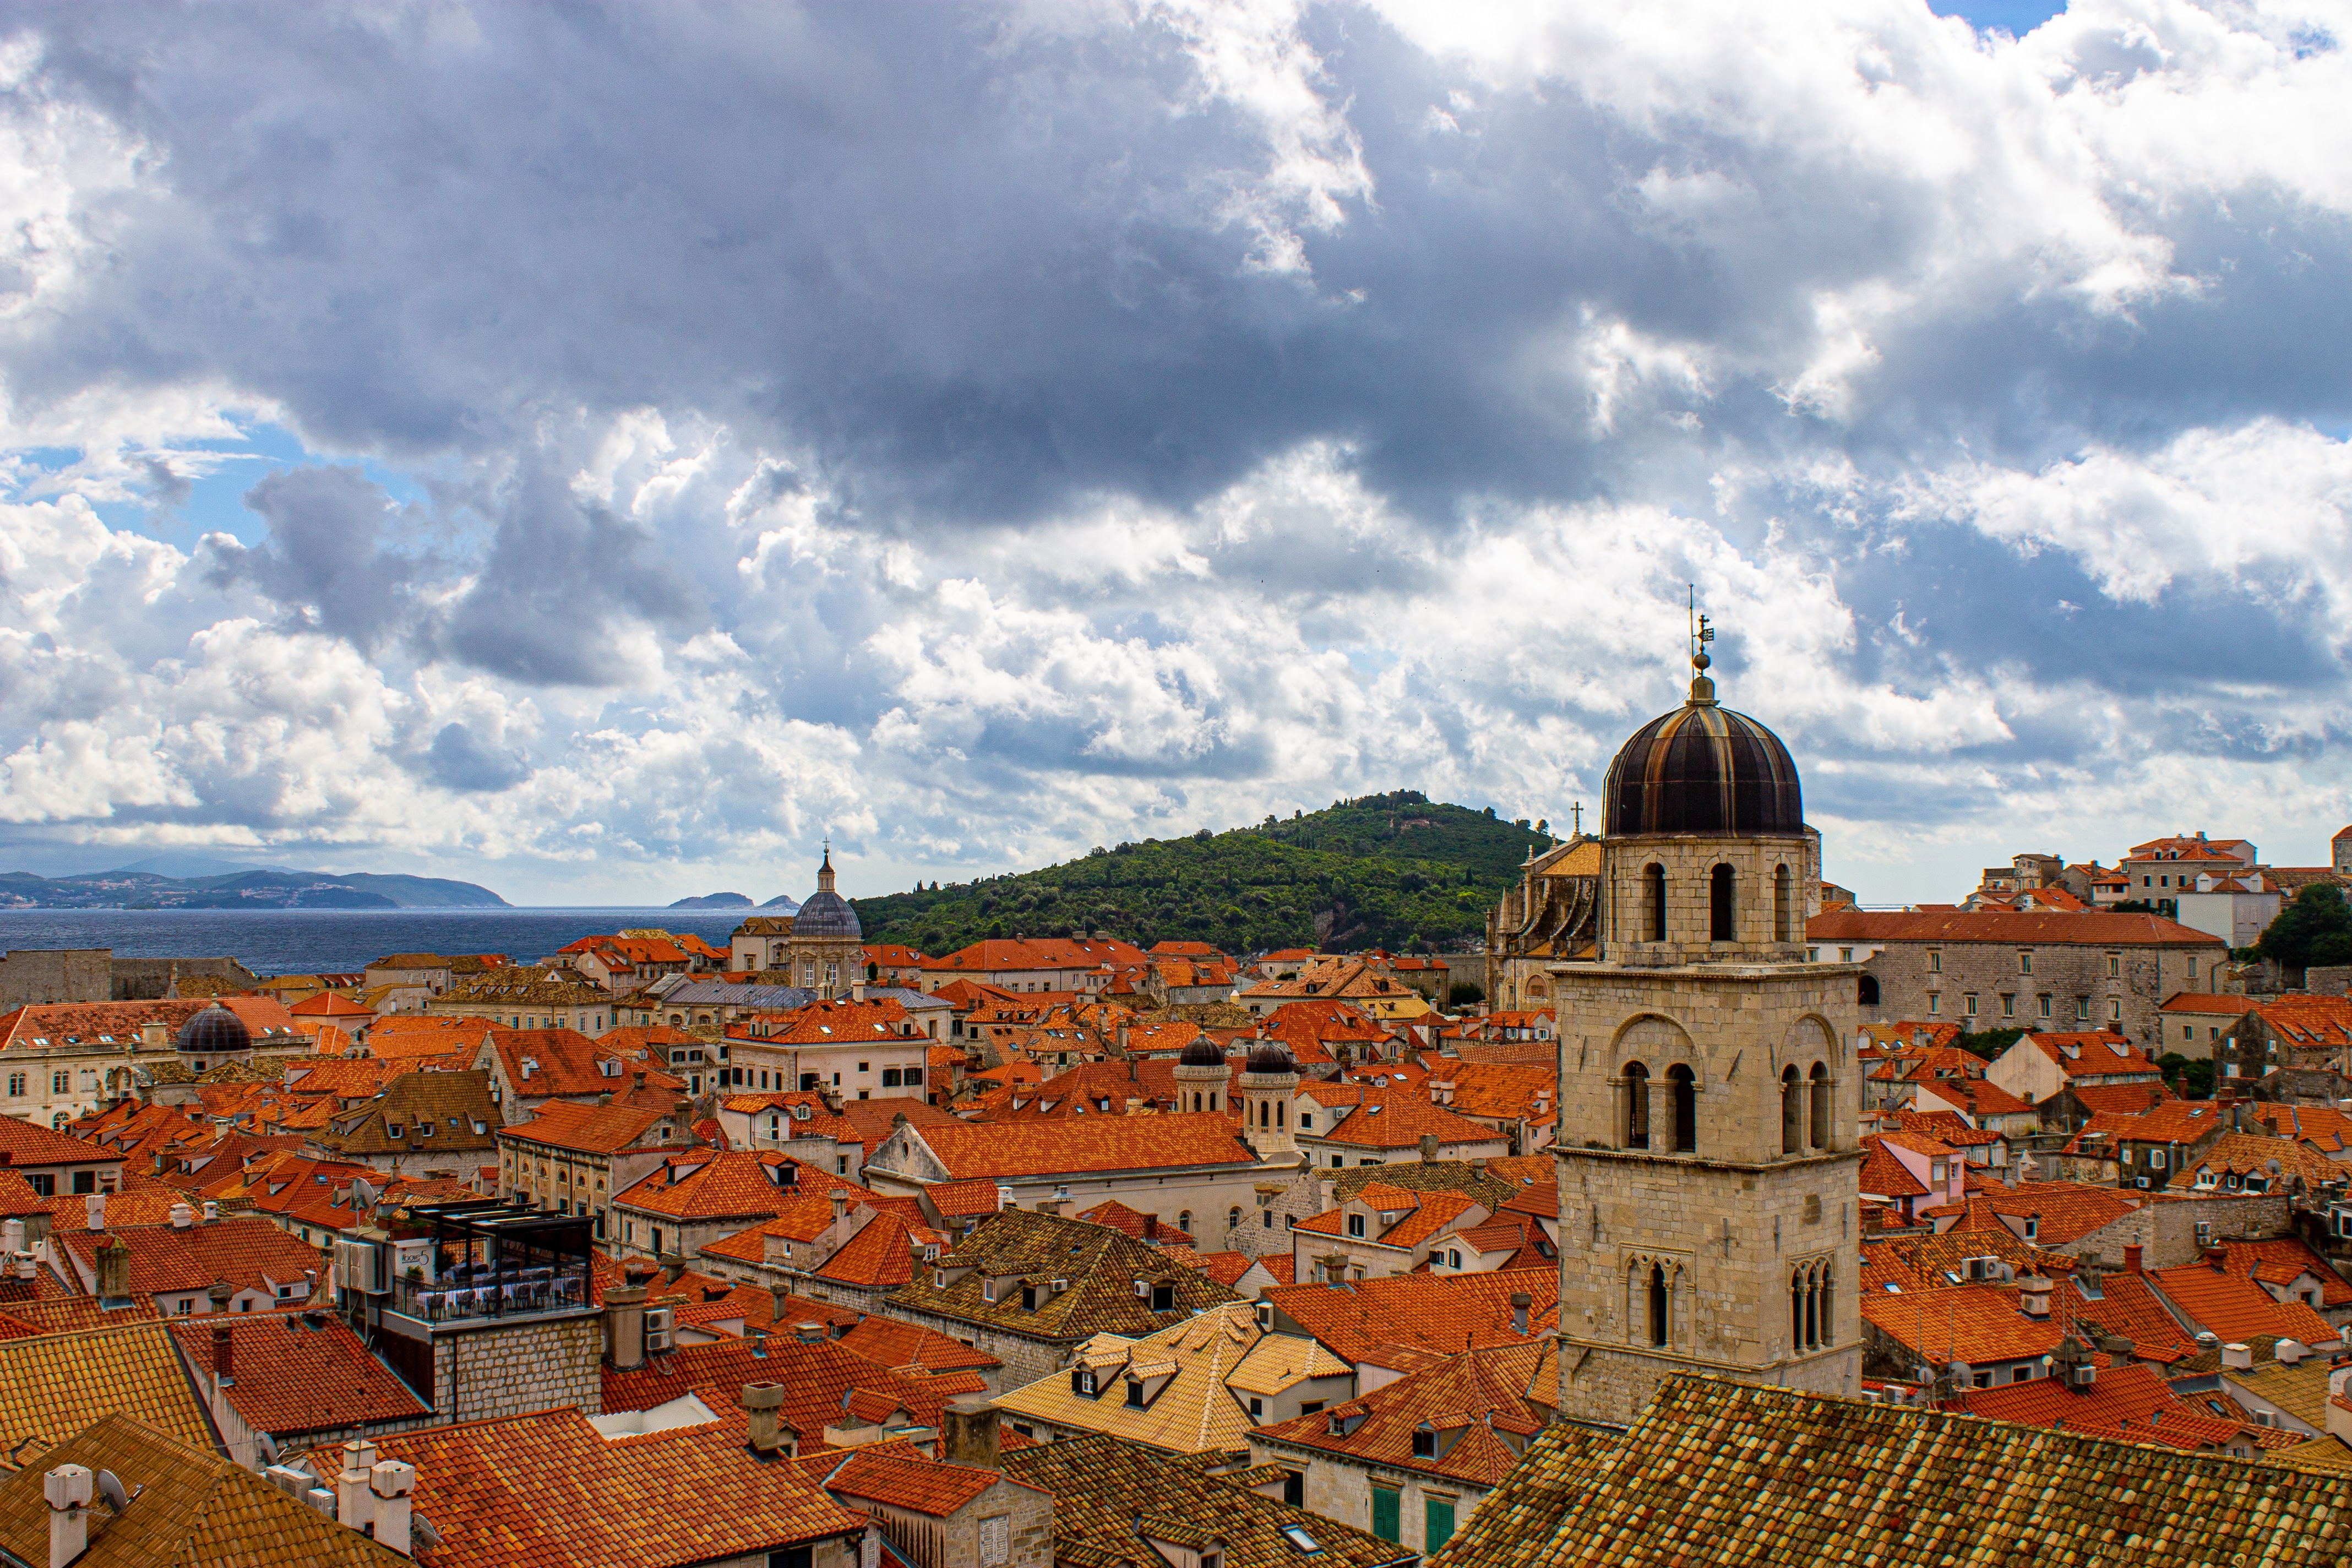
136	888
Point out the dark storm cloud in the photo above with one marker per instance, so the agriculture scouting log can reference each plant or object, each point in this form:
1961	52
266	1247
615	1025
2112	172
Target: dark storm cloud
325	558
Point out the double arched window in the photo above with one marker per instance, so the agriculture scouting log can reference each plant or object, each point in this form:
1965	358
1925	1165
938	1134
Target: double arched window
1650	1301
1810	1299
1808	1110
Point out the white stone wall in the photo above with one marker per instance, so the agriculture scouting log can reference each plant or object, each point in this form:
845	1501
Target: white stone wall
512	1368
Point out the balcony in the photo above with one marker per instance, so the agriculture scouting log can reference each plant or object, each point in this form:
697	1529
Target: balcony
489	1262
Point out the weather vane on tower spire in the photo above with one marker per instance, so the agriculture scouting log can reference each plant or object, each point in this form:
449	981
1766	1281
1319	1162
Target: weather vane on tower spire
1702	632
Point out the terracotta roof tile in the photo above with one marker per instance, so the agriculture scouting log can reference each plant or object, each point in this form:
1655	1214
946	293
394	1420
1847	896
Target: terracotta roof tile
53	1385
293	1376
1443	1312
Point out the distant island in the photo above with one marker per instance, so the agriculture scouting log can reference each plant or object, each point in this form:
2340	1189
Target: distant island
784	901
129	889
714	901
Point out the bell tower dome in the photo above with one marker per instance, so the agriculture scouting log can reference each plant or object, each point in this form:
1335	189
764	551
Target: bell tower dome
1708	1149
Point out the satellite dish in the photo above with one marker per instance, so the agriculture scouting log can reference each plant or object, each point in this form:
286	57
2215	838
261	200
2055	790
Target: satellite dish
109	1487
421	1531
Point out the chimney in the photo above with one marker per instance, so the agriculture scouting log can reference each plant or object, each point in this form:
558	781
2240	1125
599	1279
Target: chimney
840	1203
11	1237
638	1079
224	1356
777	1297
2033	1295
2131	1258
2237	1357
389	1485
2287	1352
1520	1302
29	1267
809	1333
212	1211
113	1270
968	1431
94	1208
67	1488
673	1266
1429	1148
771	1434
182	1216
759	1337
354	1504
625	1327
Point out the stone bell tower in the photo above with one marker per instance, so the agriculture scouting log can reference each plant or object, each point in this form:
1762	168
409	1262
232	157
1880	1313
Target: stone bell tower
1709	1096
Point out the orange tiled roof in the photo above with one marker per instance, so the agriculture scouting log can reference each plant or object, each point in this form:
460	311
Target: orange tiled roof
2096	928
2128	1305
548	1490
1095	1143
895	1476
2237	1309
728	1183
1974	1324
2128	1404
1439	1311
292	1376
2279	1259
588	1128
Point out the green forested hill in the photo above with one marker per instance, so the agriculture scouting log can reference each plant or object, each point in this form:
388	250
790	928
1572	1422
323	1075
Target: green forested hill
1380	871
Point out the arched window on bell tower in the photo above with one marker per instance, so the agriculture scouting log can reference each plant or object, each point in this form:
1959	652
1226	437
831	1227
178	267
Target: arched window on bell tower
1722	916
1658	1303
1792	1112
1654	903
1637	1106
1684	1085
1819	1133
1784	906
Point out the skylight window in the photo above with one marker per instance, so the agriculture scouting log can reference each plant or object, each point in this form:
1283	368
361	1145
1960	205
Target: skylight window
1300	1539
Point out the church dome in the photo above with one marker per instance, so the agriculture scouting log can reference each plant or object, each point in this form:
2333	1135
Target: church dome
1703	769
827	914
1203	1052
215	1031
1271	1056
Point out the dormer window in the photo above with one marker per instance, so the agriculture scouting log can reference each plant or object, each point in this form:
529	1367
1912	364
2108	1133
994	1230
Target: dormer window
988	1290
1424	1442
1134	1394
393	1129
1086	1383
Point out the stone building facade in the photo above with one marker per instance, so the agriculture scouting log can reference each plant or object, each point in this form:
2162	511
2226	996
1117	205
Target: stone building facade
1709	1141
1996	970
1553	914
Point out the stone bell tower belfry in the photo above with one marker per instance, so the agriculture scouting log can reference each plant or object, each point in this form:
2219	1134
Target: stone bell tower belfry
1709	1094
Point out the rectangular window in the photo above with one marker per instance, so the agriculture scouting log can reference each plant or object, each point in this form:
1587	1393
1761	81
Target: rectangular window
2114	1009
913	1078
2114	965
1968	1004
889	1077
1935	1002
1294	1488
2044	1000
2025	963
1935	962
16	1086
1437	1522
1387	1516
85	1181
2081	1009
42	1182
1356	1225
58	1082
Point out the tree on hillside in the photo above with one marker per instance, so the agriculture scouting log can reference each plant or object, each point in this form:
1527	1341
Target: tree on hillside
2316	929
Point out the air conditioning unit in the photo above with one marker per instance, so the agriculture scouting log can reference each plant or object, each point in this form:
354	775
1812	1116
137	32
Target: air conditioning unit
359	1266
2140	1181
1143	1288
661	1325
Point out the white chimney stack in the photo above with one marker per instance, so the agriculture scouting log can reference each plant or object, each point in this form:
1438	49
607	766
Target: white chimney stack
390	1483
2286	1352
29	1265
11	1237
182	1216
2237	1357
354	1507
95	1207
212	1211
67	1490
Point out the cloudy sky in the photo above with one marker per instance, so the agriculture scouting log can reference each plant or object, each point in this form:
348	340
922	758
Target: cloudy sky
600	451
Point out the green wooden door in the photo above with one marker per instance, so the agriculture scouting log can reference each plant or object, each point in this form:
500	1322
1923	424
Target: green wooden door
1387	1521
1437	1517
